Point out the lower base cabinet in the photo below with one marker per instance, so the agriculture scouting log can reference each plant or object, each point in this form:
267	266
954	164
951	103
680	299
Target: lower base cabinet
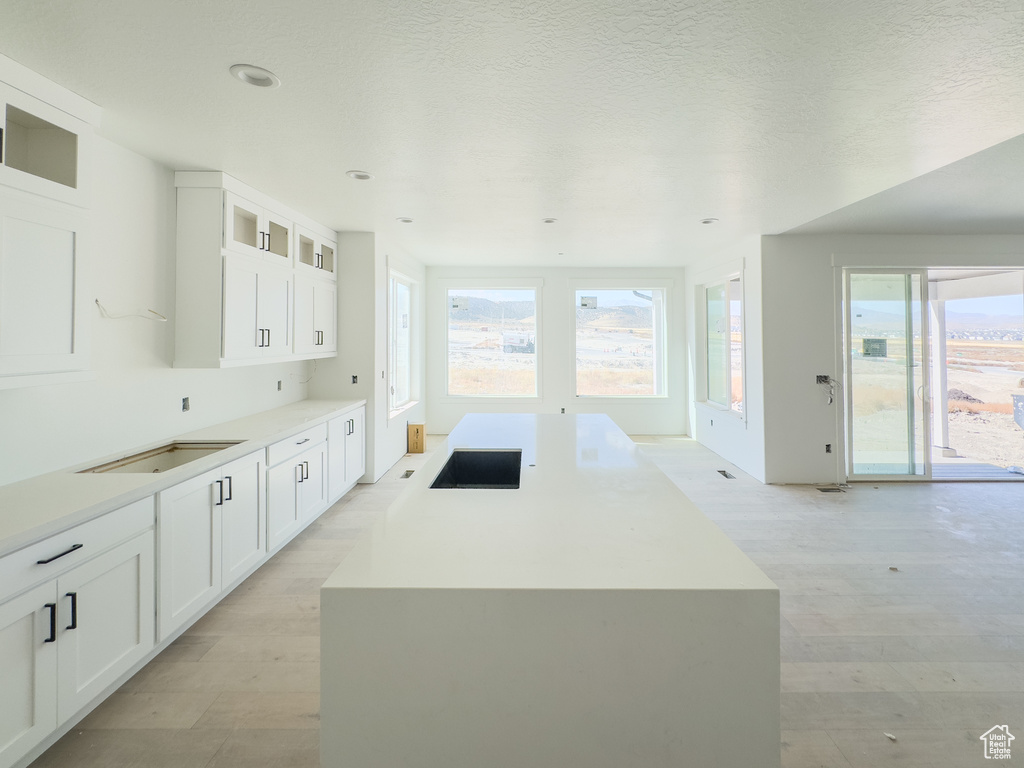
211	534
296	490
63	642
347	451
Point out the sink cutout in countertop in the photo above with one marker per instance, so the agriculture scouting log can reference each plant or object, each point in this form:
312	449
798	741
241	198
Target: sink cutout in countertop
163	458
481	468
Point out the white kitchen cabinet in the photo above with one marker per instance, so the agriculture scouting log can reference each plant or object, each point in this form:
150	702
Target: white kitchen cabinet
43	148
257	302
355	447
72	622
41	304
346	451
244	537
254	230
296	492
193	538
28	706
105	621
315	254
236	276
316	312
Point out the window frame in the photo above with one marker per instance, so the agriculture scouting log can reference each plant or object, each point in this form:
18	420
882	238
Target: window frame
526	284
394	278
703	340
661	344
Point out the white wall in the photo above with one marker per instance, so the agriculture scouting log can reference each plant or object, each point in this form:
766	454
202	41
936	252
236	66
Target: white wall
737	438
556	348
135	397
365	259
801	324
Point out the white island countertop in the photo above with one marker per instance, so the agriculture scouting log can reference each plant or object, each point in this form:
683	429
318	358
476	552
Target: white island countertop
591	617
591	512
33	509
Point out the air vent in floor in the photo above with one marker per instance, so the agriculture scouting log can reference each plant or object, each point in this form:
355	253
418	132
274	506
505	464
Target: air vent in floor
726	475
832	490
408	474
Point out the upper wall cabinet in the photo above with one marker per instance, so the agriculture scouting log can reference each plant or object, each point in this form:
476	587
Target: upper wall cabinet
239	255
253	230
41	304
315	254
43	150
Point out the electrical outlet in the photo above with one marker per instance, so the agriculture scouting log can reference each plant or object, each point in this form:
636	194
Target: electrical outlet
185	404
355	379
822	378
563	410
828	447
278	385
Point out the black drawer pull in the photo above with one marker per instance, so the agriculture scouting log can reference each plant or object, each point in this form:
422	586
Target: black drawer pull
53	623
302	441
74	547
74	610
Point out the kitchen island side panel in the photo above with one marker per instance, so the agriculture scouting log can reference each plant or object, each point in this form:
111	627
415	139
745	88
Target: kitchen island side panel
540	678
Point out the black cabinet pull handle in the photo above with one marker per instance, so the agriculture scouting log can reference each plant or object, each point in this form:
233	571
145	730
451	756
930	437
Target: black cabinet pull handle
302	441
74	548
53	623
220	493
74	610
230	487
305	470
268	337
298	469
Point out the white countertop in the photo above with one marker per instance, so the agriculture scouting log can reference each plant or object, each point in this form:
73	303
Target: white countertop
592	513
31	510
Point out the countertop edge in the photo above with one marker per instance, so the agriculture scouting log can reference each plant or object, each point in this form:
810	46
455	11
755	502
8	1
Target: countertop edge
141	486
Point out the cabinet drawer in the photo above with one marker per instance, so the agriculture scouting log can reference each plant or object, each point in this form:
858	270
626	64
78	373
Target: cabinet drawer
22	569
296	444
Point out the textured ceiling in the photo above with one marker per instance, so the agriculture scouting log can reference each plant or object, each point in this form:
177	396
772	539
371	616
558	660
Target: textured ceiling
626	122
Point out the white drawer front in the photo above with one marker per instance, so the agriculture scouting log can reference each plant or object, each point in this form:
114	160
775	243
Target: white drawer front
296	444
23	569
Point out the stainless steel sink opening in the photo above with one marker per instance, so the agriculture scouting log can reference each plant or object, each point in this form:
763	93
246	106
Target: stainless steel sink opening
163	458
481	468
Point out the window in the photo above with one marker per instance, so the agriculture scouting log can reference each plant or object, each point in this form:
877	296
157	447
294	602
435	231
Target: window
620	342
399	341
724	303
492	342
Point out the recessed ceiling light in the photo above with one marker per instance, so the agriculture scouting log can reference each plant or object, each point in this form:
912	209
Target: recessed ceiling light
709	220
549	221
404	219
360	175
261	78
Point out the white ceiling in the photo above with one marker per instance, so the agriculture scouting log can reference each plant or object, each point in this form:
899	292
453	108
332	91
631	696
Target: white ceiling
627	122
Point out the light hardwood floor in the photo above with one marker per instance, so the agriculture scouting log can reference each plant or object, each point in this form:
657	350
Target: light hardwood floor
931	652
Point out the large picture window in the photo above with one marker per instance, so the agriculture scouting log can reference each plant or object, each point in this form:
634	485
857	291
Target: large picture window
724	320
492	342
399	341
620	342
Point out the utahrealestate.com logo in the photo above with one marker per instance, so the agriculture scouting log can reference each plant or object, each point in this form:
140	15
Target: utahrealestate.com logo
997	742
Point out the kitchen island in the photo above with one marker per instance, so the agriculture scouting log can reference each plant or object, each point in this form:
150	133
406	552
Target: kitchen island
593	616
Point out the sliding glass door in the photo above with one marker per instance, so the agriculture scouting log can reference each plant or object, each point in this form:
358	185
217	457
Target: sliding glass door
886	374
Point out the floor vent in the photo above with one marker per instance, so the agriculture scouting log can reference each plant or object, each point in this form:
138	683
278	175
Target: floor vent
832	490
726	475
408	474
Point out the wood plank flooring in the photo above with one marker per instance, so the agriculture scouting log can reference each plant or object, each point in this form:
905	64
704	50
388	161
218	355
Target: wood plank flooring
931	652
